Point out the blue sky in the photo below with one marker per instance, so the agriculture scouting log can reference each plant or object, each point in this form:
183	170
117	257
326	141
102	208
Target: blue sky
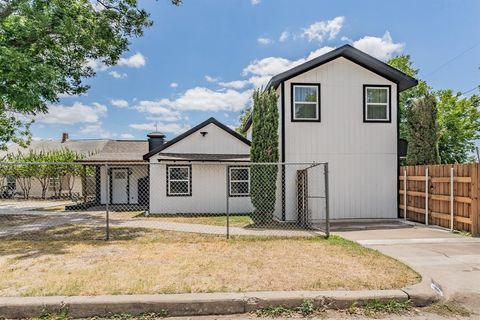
204	58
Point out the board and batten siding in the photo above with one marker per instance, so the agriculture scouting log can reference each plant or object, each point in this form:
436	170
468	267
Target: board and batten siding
209	180
362	156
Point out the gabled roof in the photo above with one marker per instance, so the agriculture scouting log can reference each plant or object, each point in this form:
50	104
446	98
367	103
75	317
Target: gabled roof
120	151
195	129
359	57
403	80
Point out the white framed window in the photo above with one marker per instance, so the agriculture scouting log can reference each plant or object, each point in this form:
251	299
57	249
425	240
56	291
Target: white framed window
376	103
239	181
305	102
53	184
179	180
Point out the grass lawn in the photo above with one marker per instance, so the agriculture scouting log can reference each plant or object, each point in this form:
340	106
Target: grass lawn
59	261
235	221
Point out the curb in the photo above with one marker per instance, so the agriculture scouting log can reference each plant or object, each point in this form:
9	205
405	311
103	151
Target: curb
187	304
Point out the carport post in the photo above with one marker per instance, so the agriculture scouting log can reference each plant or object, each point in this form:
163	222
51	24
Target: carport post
107	200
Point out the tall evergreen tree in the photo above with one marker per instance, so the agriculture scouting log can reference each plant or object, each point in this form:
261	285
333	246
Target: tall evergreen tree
264	149
424	132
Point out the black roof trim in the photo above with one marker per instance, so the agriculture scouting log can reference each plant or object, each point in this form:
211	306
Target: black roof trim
194	129
361	58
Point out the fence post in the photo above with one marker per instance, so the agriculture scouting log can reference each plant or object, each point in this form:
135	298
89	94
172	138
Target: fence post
451	199
475	207
426	196
327	204
227	194
107	200
405	194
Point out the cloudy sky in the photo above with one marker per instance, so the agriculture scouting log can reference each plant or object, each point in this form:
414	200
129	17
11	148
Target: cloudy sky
205	57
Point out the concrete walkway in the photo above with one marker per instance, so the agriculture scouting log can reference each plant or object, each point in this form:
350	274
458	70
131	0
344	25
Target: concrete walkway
449	261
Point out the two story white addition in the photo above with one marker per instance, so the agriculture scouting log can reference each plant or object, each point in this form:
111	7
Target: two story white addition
342	108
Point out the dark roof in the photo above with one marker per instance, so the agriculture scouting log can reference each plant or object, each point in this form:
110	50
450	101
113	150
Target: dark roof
403	80
203	157
359	57
120	151
81	146
194	129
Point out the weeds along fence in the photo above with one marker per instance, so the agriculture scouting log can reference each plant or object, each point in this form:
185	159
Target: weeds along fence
442	195
119	200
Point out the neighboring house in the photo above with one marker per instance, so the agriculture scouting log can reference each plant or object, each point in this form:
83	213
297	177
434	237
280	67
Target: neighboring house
342	108
83	146
185	176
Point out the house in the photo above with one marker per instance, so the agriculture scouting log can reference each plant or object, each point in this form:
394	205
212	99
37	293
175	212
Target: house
83	146
342	108
185	176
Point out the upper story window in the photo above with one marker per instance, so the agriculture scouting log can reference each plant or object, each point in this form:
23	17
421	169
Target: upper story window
179	181
376	103
305	102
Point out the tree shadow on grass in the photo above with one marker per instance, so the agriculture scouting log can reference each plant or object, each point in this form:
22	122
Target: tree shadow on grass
57	240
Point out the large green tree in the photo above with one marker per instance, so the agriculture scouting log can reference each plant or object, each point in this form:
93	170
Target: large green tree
45	46
404	64
264	149
459	122
423	129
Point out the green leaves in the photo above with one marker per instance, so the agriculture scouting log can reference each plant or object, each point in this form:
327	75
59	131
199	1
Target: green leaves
45	46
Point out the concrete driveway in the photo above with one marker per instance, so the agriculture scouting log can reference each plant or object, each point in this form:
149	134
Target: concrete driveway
452	261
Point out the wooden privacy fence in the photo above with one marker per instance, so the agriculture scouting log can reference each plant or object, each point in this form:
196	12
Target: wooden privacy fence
443	195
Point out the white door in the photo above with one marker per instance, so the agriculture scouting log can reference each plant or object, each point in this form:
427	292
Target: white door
119	186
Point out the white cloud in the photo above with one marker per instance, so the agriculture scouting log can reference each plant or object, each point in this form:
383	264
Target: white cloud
283	36
97	65
254	2
264	41
158	109
174	128
127	136
346	39
381	48
120	103
204	99
211	79
76	113
135	61
237	84
117	75
95	130
173	85
321	30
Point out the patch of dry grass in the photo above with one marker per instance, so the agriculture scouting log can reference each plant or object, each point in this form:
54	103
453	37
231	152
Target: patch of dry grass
60	261
220	220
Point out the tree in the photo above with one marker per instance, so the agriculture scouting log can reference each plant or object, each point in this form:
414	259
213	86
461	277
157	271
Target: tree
264	149
423	129
45	47
244	115
459	122
404	64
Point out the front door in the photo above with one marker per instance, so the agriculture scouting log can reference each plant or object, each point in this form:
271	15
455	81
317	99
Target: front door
119	186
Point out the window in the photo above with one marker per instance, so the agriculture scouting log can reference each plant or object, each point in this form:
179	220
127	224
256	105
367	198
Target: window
53	183
179	181
239	181
305	102
11	183
376	102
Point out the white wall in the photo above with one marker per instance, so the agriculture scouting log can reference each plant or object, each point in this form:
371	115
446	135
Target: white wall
137	172
362	156
208	192
216	140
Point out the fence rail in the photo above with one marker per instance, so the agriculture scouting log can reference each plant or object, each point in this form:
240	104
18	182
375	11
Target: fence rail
443	195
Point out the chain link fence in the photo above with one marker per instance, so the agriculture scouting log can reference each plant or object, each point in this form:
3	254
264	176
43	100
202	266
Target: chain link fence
90	201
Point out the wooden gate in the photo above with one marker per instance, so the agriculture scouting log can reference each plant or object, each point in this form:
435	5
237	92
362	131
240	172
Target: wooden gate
442	195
